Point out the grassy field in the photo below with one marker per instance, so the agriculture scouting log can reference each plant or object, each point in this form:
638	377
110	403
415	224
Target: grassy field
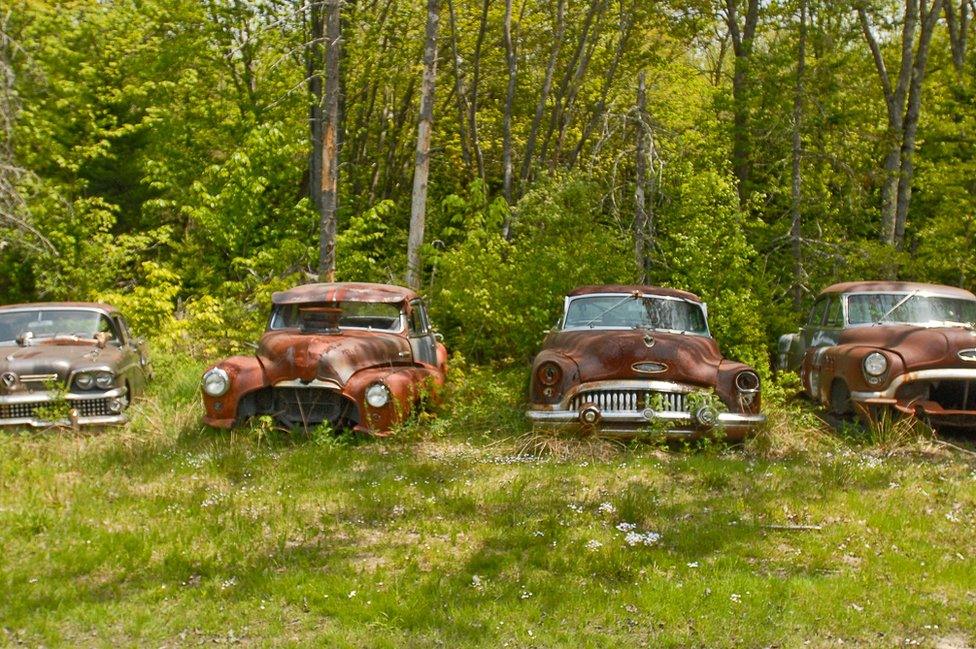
466	531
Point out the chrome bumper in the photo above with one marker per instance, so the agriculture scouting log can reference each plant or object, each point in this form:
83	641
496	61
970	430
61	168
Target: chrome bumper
957	373
680	423
31	399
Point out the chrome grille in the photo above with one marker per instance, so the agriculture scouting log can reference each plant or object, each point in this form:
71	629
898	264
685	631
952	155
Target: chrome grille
629	400
85	408
93	408
19	410
38	381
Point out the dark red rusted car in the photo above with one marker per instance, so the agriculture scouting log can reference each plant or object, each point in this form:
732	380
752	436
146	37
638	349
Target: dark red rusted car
632	359
904	345
68	364
359	356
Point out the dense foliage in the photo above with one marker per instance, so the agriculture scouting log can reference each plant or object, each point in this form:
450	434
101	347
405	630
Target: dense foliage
162	147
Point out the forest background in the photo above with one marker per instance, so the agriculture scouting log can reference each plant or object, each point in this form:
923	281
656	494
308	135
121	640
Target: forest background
170	156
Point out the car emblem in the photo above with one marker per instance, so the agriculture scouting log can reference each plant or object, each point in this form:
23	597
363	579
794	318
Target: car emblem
650	368
648	340
968	355
9	379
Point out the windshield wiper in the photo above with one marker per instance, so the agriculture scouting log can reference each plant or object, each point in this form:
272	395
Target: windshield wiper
894	308
633	296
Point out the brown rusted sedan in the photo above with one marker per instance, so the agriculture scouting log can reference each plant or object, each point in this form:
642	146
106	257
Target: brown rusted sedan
631	359
359	356
68	363
903	345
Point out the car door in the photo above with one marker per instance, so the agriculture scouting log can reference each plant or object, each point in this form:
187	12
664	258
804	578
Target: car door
422	341
833	324
135	355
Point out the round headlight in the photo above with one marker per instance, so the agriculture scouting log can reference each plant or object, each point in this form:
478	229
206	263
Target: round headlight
84	380
875	364
377	395
747	381
549	373
216	383
104	380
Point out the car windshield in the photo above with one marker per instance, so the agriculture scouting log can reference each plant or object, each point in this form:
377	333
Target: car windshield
355	315
40	324
627	311
914	309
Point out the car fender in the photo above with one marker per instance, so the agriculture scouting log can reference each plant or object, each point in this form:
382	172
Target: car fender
726	390
407	385
246	375
570	377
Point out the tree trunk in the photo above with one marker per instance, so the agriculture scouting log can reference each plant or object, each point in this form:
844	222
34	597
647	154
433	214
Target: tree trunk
902	119
640	200
459	91
796	221
742	40
479	157
328	198
912	114
958	26
418	205
540	106
512	63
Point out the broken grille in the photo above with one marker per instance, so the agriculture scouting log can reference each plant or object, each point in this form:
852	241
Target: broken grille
630	400
308	405
951	394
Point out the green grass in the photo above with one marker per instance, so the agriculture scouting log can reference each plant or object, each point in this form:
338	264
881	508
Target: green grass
165	533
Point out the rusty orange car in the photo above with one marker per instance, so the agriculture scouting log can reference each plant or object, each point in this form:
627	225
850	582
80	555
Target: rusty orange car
358	356
630	359
905	346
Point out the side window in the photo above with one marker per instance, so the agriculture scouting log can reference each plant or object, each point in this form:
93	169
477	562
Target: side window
418	319
835	316
817	313
118	330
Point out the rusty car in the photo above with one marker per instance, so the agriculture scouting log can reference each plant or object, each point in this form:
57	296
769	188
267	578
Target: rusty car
358	356
625	360
68	364
905	347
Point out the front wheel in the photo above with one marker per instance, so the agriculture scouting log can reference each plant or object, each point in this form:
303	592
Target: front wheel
840	399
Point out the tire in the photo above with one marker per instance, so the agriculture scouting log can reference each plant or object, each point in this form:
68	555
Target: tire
840	399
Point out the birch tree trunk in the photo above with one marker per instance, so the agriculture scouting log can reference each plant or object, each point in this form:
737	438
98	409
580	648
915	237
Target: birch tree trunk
641	243
328	198
796	186
418	205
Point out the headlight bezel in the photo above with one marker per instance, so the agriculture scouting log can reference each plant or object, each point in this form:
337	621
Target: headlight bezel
377	395
875	365
84	380
104	380
751	378
549	373
207	382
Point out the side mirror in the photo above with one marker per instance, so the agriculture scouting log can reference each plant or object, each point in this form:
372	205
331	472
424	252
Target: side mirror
438	336
24	339
101	339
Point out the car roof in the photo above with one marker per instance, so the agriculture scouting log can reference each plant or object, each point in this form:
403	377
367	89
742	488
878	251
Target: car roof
899	287
344	291
630	288
98	306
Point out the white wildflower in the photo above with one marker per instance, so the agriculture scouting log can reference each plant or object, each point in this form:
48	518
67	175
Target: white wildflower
593	544
692	564
606	508
525	595
476	582
626	527
734	597
636	538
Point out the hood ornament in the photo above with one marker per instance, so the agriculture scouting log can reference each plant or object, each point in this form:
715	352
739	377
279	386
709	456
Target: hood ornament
649	340
9	379
968	355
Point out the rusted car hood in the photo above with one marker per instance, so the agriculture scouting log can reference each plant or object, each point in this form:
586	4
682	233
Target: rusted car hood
333	357
611	354
55	357
919	347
